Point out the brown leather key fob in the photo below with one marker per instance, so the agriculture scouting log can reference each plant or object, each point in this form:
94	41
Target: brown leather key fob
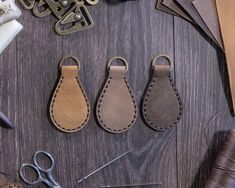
69	107
116	109
161	105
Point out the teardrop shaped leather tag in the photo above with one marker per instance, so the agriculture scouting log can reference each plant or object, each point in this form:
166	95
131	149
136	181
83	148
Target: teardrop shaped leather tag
116	108
69	108
162	107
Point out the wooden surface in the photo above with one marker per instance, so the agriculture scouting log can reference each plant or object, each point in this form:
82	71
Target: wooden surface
180	157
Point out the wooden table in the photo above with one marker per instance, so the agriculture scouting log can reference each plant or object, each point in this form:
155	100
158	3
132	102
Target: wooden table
180	157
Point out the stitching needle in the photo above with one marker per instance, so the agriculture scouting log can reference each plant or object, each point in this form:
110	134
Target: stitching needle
102	167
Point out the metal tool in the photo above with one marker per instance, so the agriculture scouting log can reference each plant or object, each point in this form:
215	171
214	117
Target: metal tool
130	185
49	181
102	167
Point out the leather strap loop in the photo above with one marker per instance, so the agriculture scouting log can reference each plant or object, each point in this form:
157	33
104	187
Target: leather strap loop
156	58
76	60
123	60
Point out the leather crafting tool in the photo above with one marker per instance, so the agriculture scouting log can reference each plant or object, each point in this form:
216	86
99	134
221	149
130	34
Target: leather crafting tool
101	168
190	9
171	4
8	11
40	171
116	108
161	106
226	14
69	107
207	10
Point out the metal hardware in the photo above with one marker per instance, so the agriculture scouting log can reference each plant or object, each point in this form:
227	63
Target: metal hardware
77	20
41	9
72	14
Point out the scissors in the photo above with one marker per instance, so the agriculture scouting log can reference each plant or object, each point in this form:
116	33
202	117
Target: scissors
49	181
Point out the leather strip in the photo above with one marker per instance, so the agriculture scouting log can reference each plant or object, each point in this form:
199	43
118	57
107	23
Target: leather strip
162	107
190	9
226	14
14	185
69	108
164	8
171	4
207	11
116	108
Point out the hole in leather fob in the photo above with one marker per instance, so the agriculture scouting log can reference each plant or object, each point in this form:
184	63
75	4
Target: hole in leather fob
162	107
69	107
116	109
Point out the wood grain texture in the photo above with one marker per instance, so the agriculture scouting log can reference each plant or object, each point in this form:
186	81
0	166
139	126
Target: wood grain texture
138	32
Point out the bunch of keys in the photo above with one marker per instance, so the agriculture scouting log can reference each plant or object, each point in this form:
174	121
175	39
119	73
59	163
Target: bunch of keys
72	15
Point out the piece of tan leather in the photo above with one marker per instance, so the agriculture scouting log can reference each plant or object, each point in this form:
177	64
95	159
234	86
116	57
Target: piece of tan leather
190	9
163	8
12	185
69	108
171	4
116	108
4	183
207	11
226	14
162	107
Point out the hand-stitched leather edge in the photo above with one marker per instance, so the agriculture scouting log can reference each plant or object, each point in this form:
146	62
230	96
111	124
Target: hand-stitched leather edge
53	101
100	101
156	127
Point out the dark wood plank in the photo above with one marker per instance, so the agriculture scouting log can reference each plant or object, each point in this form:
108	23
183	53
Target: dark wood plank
133	29
198	65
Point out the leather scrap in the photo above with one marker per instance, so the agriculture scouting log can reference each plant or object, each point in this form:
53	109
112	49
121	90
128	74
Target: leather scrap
4	183
190	9
161	107
69	107
164	8
207	11
226	14
116	108
171	4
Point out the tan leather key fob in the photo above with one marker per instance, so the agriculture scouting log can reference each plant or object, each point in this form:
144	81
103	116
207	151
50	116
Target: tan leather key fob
116	108
69	107
161	105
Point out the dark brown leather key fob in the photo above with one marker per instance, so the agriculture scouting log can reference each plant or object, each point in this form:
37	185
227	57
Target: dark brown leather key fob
116	108
161	105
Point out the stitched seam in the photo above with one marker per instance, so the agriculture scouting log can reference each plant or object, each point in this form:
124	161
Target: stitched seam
53	101
178	98
100	103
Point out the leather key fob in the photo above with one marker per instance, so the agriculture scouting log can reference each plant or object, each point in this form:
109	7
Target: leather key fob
116	109
161	105
69	107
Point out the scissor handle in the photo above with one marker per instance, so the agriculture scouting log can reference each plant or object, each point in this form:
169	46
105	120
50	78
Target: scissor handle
35	160
37	180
